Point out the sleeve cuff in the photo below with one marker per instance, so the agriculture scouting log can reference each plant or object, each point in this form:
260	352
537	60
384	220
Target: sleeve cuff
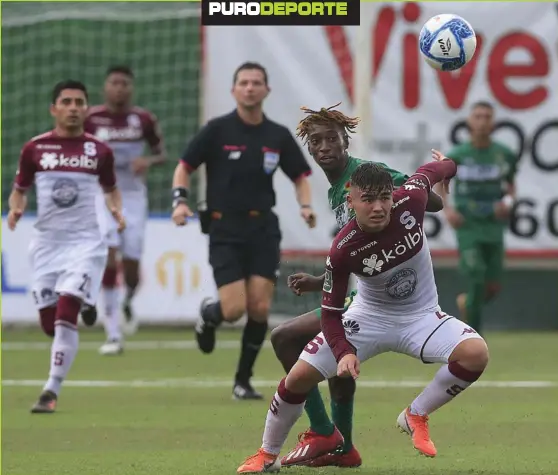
189	168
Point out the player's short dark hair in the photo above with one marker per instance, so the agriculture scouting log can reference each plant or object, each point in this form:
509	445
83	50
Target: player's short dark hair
371	176
121	69
250	65
483	104
68	84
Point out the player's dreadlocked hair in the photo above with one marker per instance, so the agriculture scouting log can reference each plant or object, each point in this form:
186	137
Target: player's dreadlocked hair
371	176
325	116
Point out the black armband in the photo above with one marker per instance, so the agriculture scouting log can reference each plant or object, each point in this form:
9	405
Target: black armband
179	195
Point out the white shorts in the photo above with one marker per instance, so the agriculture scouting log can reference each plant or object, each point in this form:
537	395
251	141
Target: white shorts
431	338
130	241
74	269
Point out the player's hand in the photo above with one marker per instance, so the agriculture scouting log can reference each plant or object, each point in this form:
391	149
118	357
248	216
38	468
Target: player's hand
438	156
348	367
119	218
13	217
455	219
181	213
502	211
140	165
301	282
308	216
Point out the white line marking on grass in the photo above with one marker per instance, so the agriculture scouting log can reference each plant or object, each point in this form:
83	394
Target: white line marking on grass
128	346
219	383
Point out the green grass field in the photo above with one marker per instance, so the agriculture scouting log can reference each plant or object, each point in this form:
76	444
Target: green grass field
165	409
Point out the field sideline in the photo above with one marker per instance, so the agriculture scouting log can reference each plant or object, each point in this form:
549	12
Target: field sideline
163	407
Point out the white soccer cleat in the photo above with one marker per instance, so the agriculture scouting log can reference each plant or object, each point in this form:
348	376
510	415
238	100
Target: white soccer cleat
112	348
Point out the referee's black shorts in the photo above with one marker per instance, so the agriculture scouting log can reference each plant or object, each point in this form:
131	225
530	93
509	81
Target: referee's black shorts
241	246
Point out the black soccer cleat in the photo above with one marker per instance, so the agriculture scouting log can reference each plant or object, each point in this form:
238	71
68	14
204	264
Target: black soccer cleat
88	314
205	331
245	392
46	403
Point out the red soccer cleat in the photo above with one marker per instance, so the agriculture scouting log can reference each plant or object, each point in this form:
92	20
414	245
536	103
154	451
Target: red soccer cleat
350	459
312	445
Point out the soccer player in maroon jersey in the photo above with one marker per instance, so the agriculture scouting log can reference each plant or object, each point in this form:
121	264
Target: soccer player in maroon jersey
126	129
69	250
395	310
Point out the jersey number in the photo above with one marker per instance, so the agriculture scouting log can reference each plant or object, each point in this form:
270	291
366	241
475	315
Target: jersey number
313	346
59	358
90	149
85	284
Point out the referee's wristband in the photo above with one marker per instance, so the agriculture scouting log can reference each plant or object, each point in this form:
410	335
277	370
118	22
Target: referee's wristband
305	206
179	195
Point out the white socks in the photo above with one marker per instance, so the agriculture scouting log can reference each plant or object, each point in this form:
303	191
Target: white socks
281	418
112	313
63	352
447	384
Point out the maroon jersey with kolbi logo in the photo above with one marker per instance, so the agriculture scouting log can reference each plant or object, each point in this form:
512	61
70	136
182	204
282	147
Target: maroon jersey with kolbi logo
393	266
66	172
126	133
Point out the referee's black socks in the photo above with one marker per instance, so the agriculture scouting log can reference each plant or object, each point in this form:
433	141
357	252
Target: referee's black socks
252	341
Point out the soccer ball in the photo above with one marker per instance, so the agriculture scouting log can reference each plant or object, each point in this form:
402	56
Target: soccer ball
447	42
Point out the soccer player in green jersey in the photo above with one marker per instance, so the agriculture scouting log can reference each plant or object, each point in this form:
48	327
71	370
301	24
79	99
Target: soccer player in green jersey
326	132
483	200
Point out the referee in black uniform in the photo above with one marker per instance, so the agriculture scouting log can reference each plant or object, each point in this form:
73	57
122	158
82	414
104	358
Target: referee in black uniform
242	150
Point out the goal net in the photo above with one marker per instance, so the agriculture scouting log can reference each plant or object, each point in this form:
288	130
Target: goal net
45	42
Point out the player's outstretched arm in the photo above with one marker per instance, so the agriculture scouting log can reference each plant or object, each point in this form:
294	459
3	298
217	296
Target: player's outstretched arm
17	203
420	184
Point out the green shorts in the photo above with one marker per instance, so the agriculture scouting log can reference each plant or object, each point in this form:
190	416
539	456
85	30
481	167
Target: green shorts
348	301
481	261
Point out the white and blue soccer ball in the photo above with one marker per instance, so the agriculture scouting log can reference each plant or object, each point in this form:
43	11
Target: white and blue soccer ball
447	42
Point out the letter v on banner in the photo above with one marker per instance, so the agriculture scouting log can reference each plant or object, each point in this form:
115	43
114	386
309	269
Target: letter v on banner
274	12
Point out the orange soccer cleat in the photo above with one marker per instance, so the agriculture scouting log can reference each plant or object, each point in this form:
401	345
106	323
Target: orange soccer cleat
261	462
417	427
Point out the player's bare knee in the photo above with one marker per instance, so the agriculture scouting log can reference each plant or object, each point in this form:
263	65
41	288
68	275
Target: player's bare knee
342	390
302	378
472	354
279	337
233	309
258	309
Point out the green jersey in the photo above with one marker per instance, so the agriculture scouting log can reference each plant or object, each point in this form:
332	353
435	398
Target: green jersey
481	181
337	194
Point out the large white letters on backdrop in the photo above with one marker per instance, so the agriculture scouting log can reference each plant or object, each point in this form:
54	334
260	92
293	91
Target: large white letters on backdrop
413	107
